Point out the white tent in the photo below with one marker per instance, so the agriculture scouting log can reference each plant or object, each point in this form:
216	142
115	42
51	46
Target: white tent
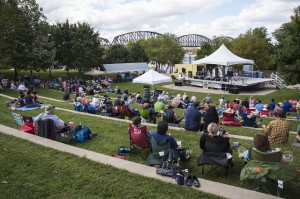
152	77
224	57
95	72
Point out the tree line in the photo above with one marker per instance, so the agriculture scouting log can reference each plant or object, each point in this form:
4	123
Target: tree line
28	42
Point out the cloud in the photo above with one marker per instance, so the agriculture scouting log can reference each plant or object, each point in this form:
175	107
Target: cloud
268	13
114	17
124	15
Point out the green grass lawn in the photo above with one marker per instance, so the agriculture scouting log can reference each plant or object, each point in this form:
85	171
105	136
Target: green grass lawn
31	171
114	134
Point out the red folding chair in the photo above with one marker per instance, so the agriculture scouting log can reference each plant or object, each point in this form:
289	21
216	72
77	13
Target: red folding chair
264	112
228	116
138	138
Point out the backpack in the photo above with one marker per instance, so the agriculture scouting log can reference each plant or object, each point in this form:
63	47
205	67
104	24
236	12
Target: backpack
168	116
82	133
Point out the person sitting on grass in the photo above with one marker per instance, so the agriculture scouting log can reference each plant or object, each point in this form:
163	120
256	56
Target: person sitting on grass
192	117
162	128
278	129
212	142
262	144
159	105
171	117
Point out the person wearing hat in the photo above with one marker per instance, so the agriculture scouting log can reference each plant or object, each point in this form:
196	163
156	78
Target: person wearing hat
278	129
49	114
95	101
170	116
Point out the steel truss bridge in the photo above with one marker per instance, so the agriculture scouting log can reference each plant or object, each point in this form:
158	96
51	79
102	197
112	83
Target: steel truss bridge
190	40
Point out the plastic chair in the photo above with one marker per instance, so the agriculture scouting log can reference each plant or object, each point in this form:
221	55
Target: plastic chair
21	124
138	138
264	113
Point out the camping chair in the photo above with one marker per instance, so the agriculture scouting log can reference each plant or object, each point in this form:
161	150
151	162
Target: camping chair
21	124
92	110
160	151
138	138
47	129
265	166
214	160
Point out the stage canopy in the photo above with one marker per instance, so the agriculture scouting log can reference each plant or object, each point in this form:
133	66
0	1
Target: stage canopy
152	77
126	67
223	56
95	72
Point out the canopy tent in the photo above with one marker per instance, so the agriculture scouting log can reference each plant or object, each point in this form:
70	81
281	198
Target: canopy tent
224	57
152	77
126	67
95	72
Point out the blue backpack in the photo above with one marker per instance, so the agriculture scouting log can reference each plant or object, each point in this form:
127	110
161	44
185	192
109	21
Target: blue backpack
81	135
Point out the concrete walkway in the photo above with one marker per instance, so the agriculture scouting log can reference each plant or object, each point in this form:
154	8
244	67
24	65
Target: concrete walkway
207	186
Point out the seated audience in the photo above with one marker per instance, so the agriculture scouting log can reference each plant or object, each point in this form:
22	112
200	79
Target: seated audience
210	116
162	128
159	105
95	101
212	142
272	105
237	107
192	117
278	129
66	96
262	144
259	106
49	114
208	99
286	106
28	99
245	103
170	116
117	101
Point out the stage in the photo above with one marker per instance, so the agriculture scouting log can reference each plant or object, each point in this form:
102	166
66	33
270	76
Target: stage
235	81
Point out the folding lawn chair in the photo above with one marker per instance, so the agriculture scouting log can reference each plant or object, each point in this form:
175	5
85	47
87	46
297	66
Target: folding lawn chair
21	124
138	139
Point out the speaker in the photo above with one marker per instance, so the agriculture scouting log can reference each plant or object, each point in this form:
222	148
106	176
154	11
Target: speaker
229	73
190	74
198	73
195	77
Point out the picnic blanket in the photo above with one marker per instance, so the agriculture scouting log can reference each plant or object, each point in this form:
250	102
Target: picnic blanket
24	108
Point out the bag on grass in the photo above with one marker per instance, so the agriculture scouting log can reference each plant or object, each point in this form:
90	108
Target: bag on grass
82	133
167	169
123	150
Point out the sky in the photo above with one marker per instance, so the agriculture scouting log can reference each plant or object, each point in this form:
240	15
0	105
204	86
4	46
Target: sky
205	17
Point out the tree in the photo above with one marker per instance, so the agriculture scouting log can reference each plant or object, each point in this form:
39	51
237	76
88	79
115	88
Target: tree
287	49
19	22
78	45
117	54
205	50
164	49
137	53
251	45
216	42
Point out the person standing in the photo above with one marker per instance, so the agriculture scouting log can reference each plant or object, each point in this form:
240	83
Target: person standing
192	117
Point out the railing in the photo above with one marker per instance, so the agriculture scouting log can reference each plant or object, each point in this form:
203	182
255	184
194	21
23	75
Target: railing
278	81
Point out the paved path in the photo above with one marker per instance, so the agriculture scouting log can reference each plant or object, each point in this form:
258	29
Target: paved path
207	186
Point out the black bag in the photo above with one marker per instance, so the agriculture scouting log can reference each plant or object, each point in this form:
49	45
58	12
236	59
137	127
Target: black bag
167	169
